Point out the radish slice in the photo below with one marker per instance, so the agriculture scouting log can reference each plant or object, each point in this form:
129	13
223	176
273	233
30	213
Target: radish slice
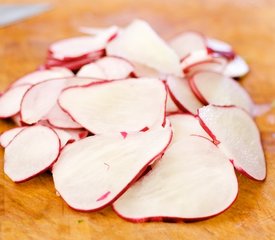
11	99
238	136
117	106
217	89
7	136
145	71
193	180
109	31
77	134
182	95
236	68
42	75
185	125
107	165
187	43
171	107
31	152
60	119
109	68
76	47
64	137
221	48
194	58
152	51
216	64
40	99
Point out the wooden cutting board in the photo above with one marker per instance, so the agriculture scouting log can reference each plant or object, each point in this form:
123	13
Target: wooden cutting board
32	210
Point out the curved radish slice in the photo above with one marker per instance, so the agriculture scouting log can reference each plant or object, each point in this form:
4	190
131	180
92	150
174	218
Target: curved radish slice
152	51
7	136
116	106
171	107
77	134
238	136
193	180
185	125
187	43
11	99
31	152
182	95
145	71
194	58
236	68
221	48
216	64
107	165
64	137
42	75
109	68
217	89
60	119
109	31
40	99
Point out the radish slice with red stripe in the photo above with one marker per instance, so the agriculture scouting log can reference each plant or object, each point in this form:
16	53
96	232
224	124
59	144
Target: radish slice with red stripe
238	136
42	75
11	99
194	58
109	68
106	167
171	107
152	51
215	88
184	125
236	68
32	151
182	95
40	99
7	136
116	106
64	137
221	48
187	43
77	134
193	180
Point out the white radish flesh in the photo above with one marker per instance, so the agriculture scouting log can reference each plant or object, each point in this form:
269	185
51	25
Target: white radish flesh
7	136
236	68
105	165
193	180
32	151
117	106
238	136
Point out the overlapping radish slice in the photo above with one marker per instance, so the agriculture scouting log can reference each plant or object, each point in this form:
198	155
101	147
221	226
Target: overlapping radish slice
107	165
32	151
11	99
182	95
217	89
151	51
236	68
221	48
7	136
187	43
109	68
238	136
116	106
77	134
198	169
77	47
64	137
40	99
42	75
185	125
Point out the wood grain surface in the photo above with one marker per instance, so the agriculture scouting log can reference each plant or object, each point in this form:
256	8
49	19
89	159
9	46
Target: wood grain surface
32	210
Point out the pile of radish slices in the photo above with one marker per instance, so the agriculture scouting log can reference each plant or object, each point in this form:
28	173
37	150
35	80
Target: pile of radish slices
122	118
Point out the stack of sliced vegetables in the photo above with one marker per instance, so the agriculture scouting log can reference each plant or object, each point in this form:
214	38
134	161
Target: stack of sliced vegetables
122	118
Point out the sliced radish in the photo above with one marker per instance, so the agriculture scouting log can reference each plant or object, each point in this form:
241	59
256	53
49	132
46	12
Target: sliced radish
193	180
109	31
109	68
171	107
42	75
60	119
195	58
187	43
116	106
145	71
221	48
236	68
77	134
64	137
11	99
40	99
185	125
216	64
238	136
32	151
107	165
151	50
182	95
7	136
215	88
